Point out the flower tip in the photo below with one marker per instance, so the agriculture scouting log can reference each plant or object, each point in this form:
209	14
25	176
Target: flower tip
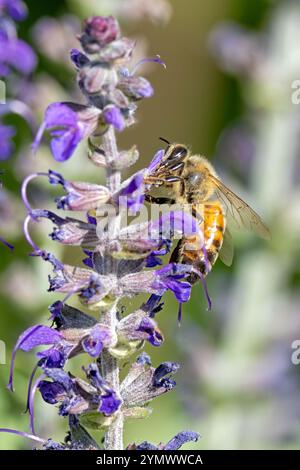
10	386
159	61
8	245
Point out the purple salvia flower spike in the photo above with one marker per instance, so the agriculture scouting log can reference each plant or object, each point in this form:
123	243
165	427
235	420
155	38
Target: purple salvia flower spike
117	258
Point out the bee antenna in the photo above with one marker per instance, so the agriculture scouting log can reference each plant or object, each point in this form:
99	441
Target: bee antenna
164	140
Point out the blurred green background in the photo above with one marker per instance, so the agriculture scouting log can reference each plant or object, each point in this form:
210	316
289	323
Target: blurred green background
237	386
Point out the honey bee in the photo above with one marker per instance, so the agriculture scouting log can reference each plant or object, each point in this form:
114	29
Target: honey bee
191	179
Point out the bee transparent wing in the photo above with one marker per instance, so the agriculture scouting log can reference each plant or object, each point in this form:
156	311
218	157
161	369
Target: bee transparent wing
242	214
227	251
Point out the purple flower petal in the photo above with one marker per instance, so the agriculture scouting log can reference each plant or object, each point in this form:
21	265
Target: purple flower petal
149	328
155	161
177	223
170	278
88	261
68	124
114	117
16	9
181	438
95	377
34	336
78	58
166	368
50	391
131	194
143	359
21	56
7	146
94	343
52	358
145	445
110	403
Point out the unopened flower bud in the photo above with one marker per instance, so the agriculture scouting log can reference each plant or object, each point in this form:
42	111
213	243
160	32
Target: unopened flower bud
102	30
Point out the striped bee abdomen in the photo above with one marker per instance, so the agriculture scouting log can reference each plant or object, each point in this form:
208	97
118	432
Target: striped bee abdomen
188	250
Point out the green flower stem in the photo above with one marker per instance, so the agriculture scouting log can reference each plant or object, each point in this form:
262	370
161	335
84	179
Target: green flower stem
109	364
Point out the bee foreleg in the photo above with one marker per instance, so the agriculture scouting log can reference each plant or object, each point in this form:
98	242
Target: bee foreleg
159	200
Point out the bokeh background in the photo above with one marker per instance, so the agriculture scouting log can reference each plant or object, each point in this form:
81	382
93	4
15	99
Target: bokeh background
226	92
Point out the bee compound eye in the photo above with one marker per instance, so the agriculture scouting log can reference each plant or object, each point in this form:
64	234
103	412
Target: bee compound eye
178	152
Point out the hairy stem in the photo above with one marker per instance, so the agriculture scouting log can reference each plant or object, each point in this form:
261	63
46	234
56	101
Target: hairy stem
110	371
109	364
110	148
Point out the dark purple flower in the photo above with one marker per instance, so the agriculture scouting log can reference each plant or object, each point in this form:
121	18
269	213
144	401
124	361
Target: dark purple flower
16	9
68	124
95	341
152	333
78	58
88	261
163	370
110	403
52	392
113	116
101	29
152	260
94	376
7	146
153	305
170	278
54	357
131	194
61	377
